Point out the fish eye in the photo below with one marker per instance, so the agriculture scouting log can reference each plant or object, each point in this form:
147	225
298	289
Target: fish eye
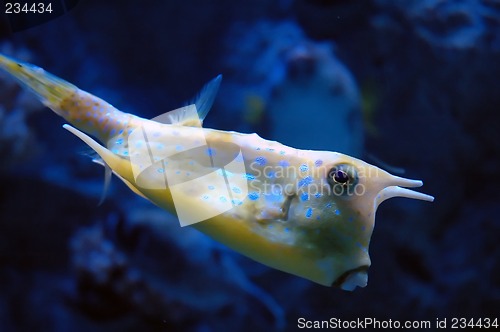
340	176
343	175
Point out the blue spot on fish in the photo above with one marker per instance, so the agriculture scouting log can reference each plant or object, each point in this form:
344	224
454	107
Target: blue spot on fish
305	181
282	152
223	199
283	163
237	190
309	212
249	176
303	168
304	197
337	212
360	246
273	198
253	196
318	195
211	187
178	148
210	152
261	161
351	219
318	163
236	202
119	141
160	170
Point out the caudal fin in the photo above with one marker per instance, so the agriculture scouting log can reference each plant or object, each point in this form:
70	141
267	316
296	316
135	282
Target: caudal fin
51	90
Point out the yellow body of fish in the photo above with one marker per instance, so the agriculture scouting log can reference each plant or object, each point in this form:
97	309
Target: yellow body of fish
309	213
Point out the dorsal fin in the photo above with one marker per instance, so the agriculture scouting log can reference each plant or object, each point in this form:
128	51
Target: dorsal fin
206	97
193	114
184	116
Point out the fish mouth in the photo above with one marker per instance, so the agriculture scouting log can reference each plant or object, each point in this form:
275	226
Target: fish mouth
396	189
351	279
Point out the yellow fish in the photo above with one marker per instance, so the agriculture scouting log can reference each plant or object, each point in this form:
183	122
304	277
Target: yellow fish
309	213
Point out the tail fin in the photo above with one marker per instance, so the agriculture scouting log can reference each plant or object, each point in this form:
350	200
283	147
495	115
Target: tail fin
50	89
82	109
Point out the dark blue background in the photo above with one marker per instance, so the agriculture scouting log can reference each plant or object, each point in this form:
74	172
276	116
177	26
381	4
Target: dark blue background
427	73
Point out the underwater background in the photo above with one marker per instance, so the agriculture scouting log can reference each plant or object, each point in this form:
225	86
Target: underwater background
411	86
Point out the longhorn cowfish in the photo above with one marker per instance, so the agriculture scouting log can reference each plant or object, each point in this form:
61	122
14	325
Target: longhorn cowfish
308	213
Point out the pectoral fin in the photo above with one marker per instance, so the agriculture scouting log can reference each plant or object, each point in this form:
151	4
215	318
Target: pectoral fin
119	165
